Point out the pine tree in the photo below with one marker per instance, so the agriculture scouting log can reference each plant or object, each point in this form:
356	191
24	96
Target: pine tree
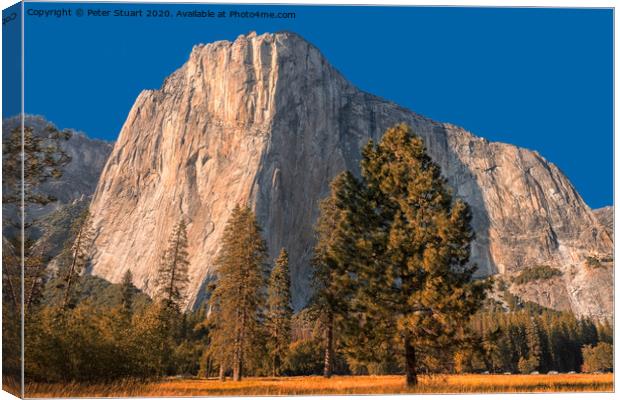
172	279
43	160
75	258
34	276
172	276
605	332
534	344
280	311
239	295
40	157
410	244
29	160
330	284
491	347
127	293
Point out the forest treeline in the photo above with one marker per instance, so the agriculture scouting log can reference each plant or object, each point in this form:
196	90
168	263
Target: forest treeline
393	292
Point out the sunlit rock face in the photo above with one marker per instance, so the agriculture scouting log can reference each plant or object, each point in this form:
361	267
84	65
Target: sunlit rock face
267	121
605	215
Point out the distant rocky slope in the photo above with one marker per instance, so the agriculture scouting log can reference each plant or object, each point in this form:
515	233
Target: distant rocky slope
605	215
266	120
73	190
80	176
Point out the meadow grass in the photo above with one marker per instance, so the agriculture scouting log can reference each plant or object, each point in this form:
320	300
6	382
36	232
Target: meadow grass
11	385
309	385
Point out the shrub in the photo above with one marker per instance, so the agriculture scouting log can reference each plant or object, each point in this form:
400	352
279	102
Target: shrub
468	361
539	272
599	358
304	358
527	365
593	262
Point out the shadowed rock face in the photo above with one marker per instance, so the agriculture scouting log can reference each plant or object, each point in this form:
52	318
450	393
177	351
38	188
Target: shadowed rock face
266	121
72	191
80	176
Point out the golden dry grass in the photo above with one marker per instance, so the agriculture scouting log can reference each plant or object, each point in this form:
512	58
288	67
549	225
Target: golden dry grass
11	385
336	385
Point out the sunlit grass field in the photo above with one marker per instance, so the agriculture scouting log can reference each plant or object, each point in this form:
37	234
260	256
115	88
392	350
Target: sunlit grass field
336	385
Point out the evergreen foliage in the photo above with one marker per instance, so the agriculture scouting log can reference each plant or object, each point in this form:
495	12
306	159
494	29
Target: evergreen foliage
527	340
331	284
279	312
405	244
74	258
99	293
29	159
539	272
393	293
238	300
304	358
98	344
43	160
172	276
599	358
593	262
127	293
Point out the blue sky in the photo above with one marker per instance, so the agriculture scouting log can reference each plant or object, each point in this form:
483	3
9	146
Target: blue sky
537	78
11	60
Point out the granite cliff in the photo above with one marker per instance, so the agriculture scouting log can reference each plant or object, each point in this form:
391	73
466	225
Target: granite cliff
266	120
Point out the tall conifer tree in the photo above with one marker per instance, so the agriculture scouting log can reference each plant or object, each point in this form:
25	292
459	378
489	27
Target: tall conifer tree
41	158
534	344
172	276
238	300
331	284
172	279
75	257
279	312
407	247
127	293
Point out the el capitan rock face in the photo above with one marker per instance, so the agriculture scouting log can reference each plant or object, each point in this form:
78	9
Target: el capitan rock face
265	120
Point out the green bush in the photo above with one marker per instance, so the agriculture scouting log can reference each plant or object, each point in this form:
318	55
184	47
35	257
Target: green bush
539	272
83	344
593	262
304	358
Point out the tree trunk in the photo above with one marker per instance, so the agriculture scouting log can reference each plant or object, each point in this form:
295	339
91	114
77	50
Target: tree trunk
76	253
33	291
410	361
235	366
222	376
237	359
208	368
174	269
6	274
237	371
240	367
329	347
274	359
